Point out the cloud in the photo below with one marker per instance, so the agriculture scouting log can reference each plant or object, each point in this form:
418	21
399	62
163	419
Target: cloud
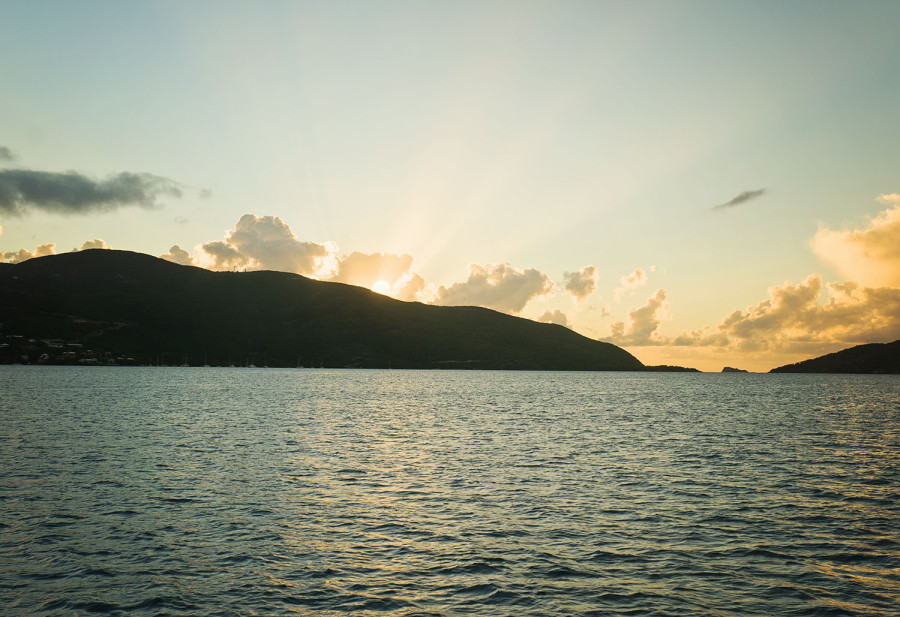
582	283
890	199
793	318
224	256
556	316
640	329
178	255
96	243
386	273
500	287
871	255
22	190
14	257
6	154
267	243
630	282
741	198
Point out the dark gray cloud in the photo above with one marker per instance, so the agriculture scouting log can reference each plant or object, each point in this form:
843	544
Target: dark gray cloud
22	190
741	199
6	154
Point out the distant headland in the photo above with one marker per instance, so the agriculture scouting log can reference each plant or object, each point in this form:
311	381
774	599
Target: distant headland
872	358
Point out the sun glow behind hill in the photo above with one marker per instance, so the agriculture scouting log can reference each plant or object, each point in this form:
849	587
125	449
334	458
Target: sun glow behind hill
482	154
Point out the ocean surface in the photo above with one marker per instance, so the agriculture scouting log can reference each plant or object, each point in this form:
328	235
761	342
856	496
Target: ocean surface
207	491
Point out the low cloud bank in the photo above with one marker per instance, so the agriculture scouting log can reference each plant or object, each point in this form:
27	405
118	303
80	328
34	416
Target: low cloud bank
793	318
15	257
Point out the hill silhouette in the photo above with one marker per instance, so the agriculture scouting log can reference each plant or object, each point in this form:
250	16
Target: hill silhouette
123	304
870	358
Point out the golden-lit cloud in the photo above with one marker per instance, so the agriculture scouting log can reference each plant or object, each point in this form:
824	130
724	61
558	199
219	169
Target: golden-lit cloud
630	282
793	317
178	255
642	323
582	283
96	243
869	256
555	316
267	243
14	257
500	287
385	273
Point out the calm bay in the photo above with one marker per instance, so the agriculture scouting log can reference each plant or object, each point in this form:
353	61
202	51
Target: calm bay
216	491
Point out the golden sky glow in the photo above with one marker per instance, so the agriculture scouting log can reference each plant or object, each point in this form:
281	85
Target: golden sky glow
705	184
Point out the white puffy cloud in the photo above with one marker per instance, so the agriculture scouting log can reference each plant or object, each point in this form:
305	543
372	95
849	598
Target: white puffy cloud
386	273
643	321
178	255
630	282
582	283
14	257
869	256
500	287
267	243
555	316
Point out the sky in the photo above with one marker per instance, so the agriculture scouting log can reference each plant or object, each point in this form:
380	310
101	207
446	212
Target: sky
705	184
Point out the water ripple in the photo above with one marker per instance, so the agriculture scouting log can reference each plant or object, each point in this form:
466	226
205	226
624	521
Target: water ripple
403	493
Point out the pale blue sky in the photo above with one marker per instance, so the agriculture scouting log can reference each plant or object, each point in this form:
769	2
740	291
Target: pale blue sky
547	135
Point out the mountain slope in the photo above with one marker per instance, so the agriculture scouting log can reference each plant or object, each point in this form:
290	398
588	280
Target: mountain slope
148	308
871	358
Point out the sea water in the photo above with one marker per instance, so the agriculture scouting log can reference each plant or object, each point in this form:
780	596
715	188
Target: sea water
206	491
